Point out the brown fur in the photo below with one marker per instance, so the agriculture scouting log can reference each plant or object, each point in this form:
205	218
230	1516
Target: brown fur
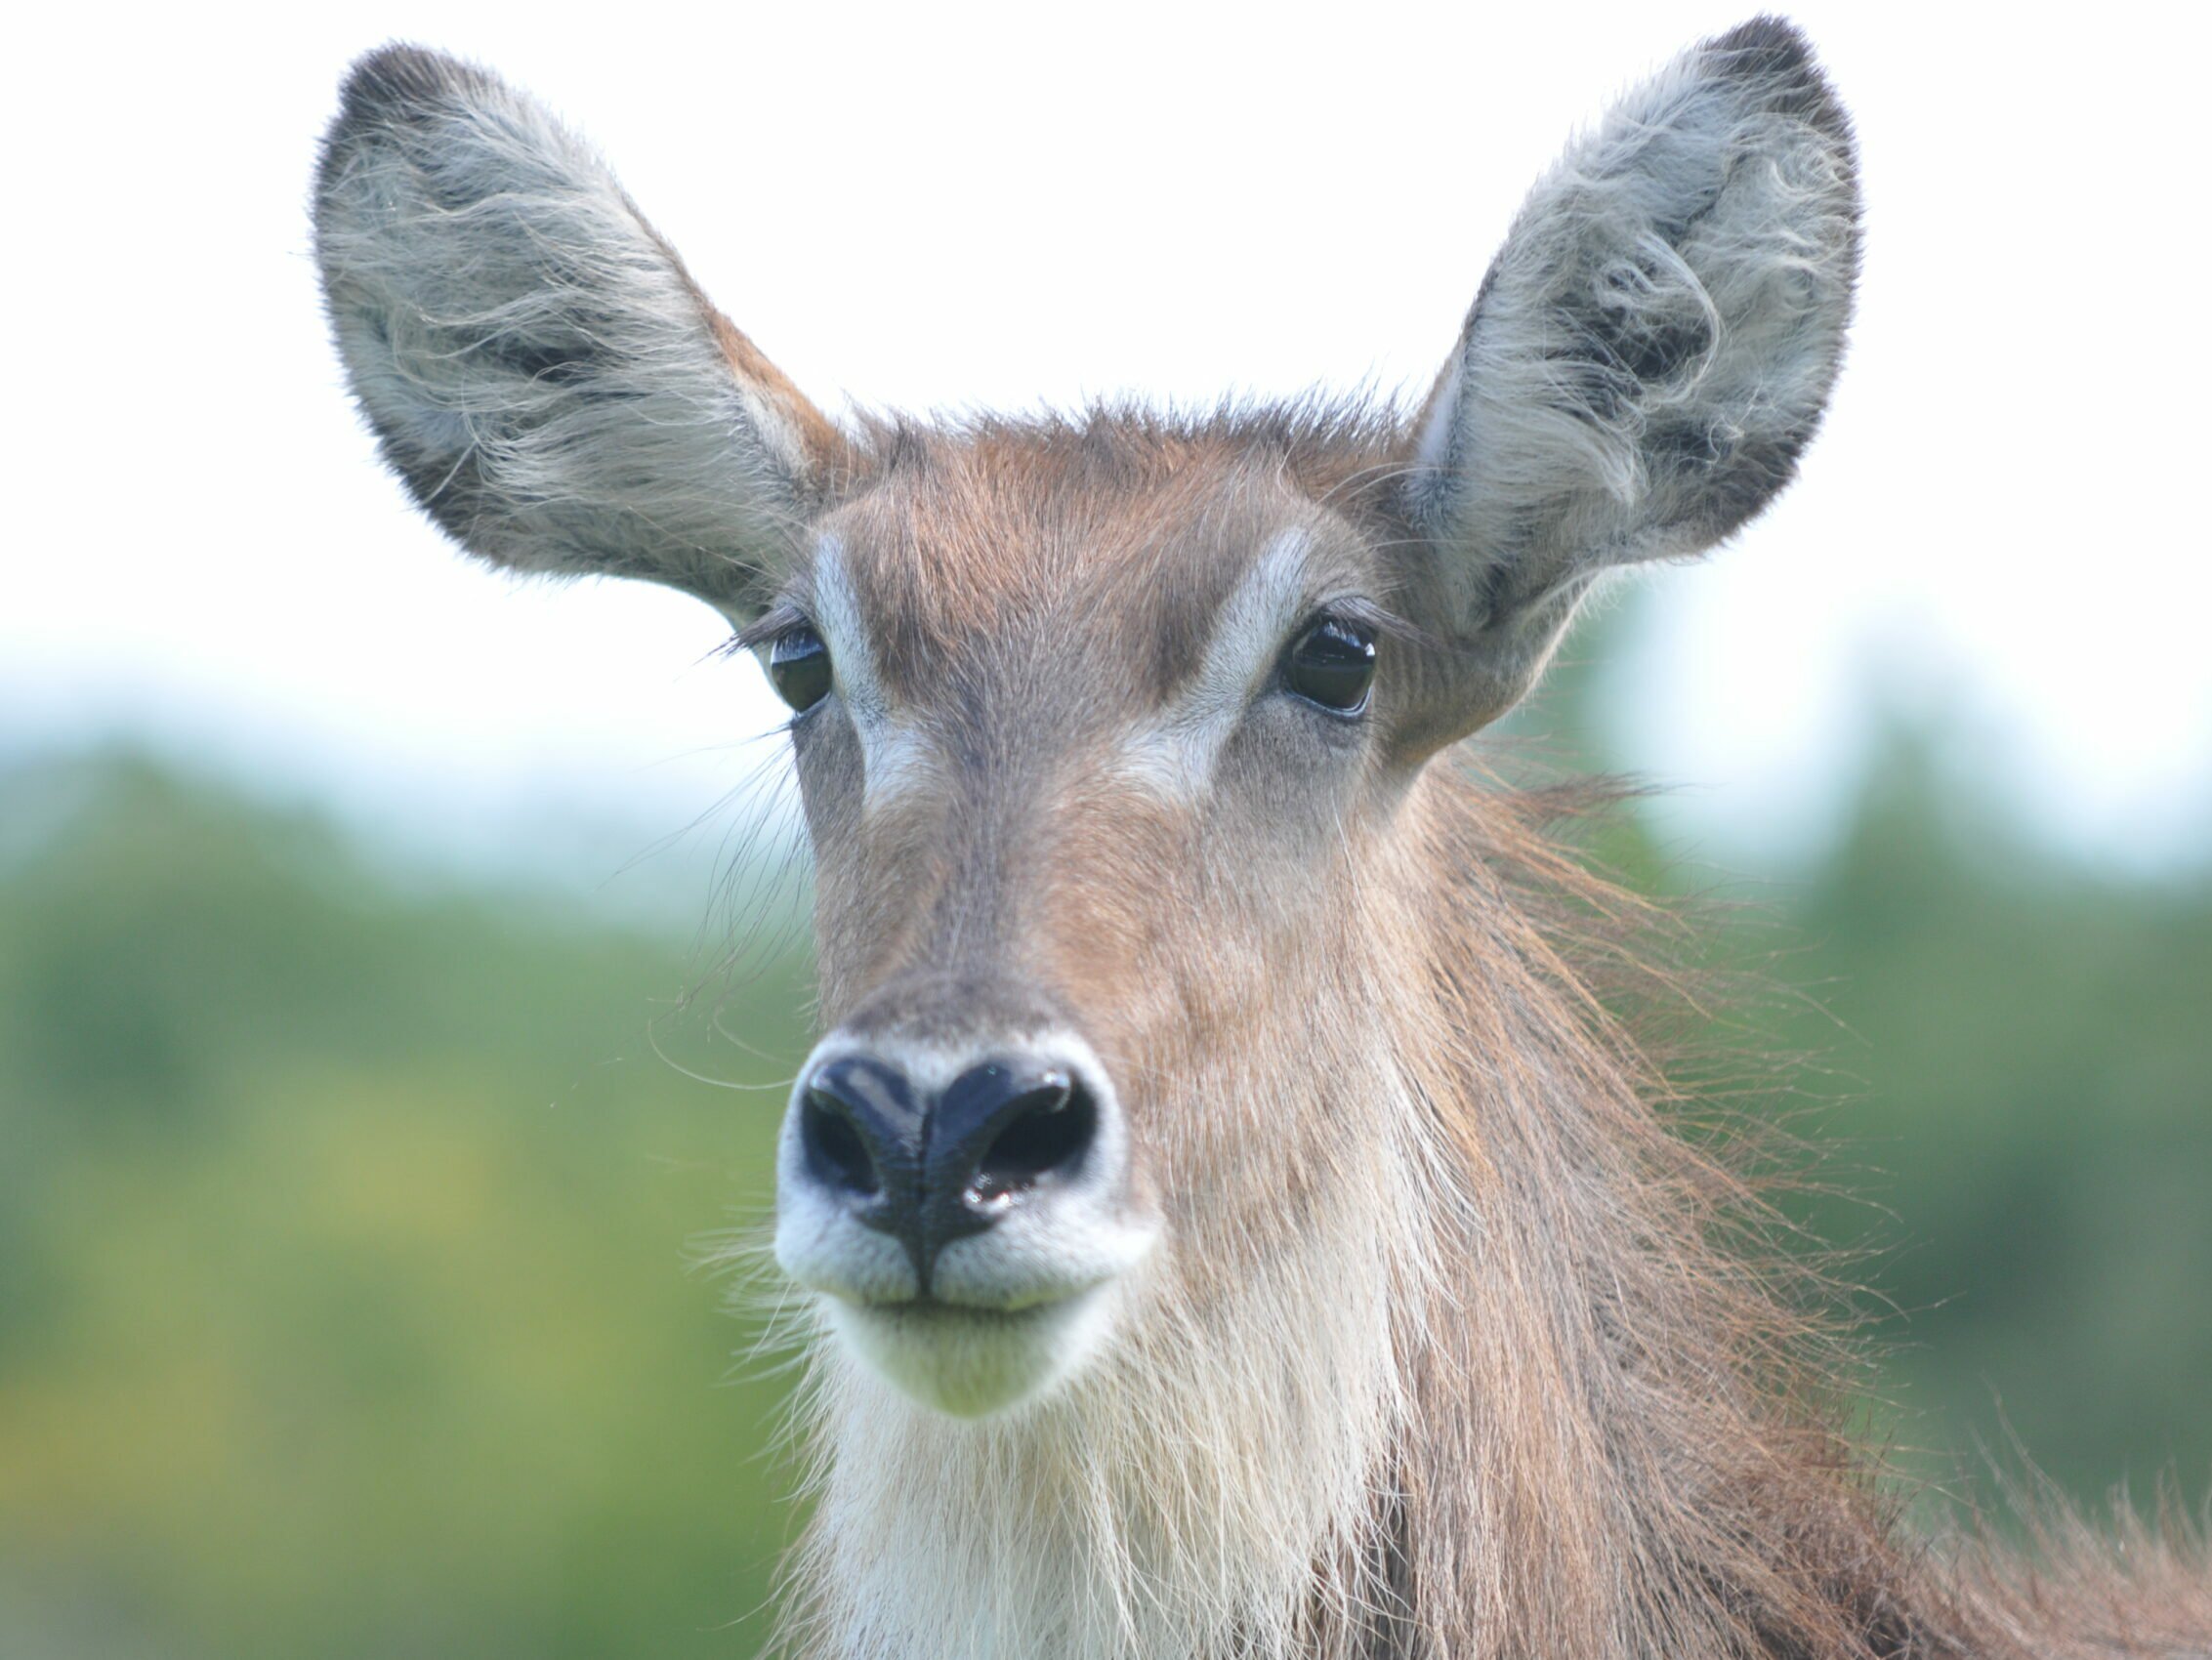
1002	522
817	435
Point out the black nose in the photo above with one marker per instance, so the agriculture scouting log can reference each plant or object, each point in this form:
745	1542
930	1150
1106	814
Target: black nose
928	1171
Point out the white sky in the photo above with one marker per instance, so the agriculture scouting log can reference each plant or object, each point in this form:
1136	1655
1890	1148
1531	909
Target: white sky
938	207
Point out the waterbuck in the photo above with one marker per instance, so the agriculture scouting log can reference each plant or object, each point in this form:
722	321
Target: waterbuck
1239	1223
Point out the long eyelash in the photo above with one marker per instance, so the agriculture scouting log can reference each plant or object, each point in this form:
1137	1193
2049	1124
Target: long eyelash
1386	623
776	620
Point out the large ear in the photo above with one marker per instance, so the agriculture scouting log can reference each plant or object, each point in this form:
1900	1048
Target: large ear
1648	356
537	362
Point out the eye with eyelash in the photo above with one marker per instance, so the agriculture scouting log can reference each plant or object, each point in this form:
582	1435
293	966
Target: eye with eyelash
1331	664
798	666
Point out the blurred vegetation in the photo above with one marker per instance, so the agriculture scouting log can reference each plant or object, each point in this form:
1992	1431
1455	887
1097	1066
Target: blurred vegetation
344	1222
2025	1070
343	1241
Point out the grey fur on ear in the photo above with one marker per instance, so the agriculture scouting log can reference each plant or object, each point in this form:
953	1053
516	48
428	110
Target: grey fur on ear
538	364
1650	351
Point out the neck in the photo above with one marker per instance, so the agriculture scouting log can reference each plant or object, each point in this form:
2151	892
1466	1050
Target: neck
1540	1411
1145	1508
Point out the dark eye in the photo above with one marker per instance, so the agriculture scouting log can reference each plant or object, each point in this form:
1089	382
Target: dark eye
1332	664
799	665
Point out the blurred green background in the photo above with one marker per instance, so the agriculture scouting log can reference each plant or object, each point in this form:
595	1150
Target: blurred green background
352	1215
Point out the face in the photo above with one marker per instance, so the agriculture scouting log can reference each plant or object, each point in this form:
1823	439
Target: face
1091	766
1104	732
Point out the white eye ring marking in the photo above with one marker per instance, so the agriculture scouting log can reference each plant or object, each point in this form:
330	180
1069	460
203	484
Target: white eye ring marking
1174	752
895	752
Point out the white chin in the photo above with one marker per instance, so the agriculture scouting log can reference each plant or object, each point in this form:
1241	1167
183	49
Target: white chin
973	1362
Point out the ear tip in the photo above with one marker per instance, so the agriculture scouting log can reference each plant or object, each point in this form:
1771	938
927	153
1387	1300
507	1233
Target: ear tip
1768	32
1771	52
398	86
400	78
398	102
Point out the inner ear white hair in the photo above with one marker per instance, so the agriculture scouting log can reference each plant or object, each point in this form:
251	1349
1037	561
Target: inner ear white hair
1650	351
537	362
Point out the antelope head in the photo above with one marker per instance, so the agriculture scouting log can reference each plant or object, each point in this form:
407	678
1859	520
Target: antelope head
1114	732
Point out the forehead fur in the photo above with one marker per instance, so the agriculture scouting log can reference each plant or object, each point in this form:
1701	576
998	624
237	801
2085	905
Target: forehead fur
966	541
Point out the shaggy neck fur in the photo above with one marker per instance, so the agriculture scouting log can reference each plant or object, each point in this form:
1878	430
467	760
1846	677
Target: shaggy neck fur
1190	1494
1510	1396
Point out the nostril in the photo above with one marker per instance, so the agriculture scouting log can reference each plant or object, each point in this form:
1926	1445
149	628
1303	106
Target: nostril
835	1152
1045	1131
932	1166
